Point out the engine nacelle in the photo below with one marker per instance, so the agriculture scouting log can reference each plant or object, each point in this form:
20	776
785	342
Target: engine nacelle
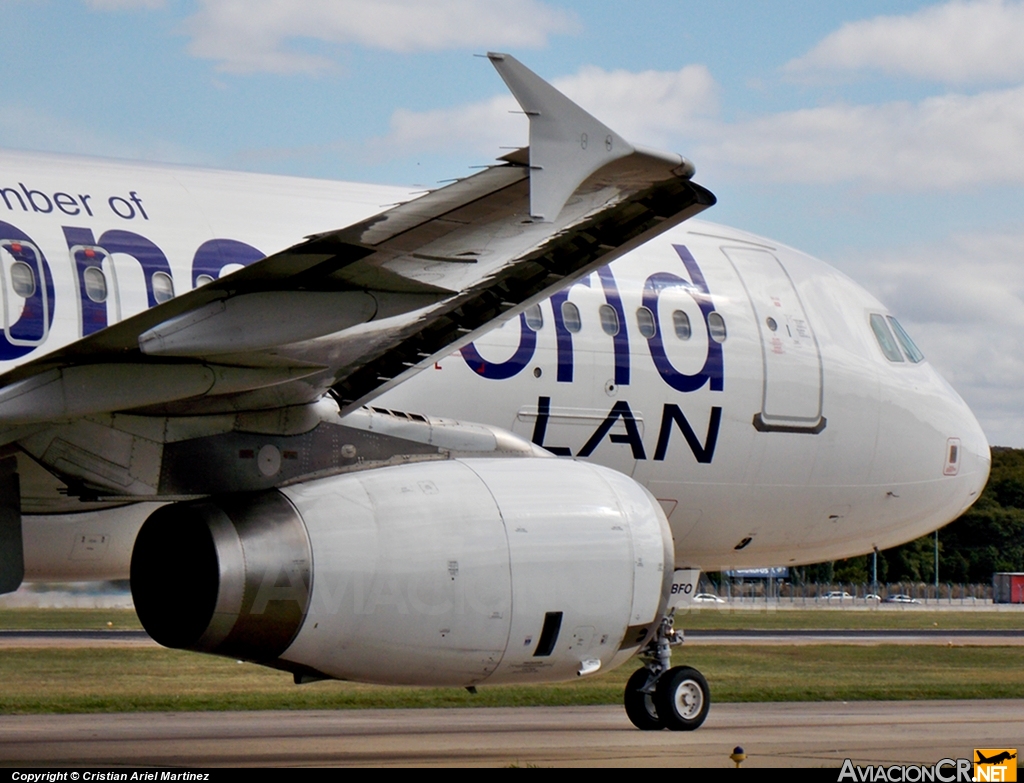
438	573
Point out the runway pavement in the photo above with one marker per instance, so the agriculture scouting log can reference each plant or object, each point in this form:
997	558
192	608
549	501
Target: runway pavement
773	735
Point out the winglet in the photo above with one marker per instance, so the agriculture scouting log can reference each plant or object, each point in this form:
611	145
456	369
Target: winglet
567	144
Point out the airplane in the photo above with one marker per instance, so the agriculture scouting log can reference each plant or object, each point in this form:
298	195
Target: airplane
487	434
996	759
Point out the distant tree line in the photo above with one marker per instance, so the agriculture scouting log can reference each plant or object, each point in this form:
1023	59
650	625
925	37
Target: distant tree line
989	537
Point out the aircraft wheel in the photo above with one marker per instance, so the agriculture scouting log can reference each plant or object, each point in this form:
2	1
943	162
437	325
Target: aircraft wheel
639	705
682	698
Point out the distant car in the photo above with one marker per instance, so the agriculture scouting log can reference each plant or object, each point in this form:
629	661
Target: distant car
708	598
872	597
901	599
838	595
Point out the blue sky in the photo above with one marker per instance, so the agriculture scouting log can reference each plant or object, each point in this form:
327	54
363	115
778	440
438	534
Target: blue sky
884	137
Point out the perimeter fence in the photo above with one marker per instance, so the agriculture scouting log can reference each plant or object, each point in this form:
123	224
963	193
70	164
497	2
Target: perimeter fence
848	594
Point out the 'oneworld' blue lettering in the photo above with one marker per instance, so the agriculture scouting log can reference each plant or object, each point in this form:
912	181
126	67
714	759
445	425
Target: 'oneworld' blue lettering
712	372
499	371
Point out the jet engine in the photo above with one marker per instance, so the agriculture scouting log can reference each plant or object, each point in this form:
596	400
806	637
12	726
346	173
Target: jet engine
436	573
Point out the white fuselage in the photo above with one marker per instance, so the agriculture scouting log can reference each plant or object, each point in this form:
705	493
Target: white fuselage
875	475
777	432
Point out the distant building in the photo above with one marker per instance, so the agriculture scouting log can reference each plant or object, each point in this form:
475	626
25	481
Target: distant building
1008	588
775	572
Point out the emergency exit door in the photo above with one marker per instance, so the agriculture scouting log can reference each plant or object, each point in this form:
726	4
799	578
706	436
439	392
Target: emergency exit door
24	294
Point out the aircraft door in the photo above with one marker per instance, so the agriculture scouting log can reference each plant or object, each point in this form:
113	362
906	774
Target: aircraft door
792	390
97	281
24	293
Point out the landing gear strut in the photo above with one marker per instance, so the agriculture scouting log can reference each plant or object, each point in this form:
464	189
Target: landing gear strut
659	697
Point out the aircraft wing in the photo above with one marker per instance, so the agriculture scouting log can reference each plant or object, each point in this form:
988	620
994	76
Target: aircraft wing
357	310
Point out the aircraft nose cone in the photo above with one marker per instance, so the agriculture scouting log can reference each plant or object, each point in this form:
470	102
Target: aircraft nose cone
976	459
932	457
967	457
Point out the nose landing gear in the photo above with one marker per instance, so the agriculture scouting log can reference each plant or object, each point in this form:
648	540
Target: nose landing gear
682	698
639	698
658	697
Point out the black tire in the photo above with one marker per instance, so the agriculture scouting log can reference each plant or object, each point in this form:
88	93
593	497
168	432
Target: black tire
682	699
639	705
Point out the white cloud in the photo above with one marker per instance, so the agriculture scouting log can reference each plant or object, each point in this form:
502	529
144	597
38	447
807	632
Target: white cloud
943	142
934	278
652	107
246	36
957	42
962	301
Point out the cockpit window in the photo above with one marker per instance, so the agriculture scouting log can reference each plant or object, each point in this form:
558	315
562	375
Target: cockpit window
885	339
909	348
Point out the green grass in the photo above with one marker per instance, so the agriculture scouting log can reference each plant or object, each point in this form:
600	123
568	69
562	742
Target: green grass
854	673
126	679
887	618
76	619
134	679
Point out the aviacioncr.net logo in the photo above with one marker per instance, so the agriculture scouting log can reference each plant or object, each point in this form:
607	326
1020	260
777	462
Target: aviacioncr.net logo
995	764
943	771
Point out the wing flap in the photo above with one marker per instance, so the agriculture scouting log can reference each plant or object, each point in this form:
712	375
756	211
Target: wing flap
441	203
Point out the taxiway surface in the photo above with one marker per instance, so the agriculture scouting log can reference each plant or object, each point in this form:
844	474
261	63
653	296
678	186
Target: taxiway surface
773	735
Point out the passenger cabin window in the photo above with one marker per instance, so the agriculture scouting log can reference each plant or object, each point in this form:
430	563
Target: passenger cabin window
885	338
716	327
534	318
645	323
571	317
23	279
95	283
163	287
681	323
912	352
609	319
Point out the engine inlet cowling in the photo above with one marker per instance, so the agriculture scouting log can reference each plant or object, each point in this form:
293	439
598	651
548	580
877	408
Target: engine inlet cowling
230	576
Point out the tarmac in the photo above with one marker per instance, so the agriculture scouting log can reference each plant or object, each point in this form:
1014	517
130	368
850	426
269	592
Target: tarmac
819	734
